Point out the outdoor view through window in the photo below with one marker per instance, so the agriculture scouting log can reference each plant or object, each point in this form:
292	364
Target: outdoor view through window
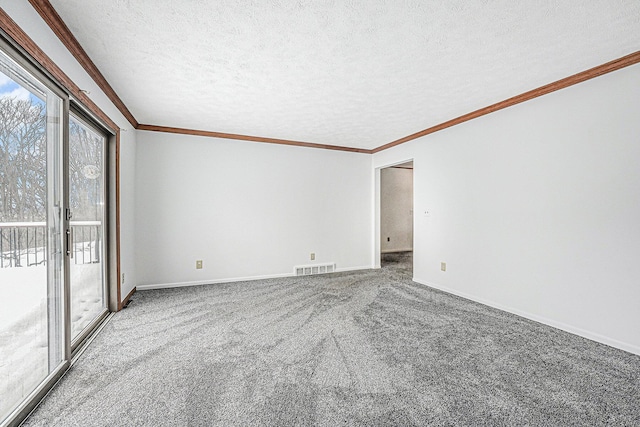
33	242
24	322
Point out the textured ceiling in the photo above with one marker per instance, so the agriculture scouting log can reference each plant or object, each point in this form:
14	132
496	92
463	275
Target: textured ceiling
357	73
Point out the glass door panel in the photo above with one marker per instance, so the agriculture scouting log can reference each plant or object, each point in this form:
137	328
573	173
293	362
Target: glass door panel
31	258
86	201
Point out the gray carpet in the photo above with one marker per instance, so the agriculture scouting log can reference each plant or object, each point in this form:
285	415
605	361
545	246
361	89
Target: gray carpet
367	348
403	259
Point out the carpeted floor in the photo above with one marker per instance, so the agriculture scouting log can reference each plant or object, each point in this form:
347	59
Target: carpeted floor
367	348
403	260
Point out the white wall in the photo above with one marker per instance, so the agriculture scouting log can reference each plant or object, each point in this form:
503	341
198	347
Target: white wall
396	209
246	209
536	208
127	211
31	22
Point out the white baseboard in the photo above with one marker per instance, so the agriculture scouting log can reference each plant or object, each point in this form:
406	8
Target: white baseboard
391	251
540	319
210	282
233	279
365	267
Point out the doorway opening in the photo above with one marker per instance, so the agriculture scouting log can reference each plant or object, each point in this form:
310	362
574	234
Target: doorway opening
396	217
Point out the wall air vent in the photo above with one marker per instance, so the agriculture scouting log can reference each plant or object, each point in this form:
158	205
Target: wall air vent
308	270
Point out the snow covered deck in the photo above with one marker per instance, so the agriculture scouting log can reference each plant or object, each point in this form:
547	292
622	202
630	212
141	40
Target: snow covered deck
23	321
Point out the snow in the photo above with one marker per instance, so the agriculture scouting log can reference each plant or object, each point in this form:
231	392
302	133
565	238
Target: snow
23	323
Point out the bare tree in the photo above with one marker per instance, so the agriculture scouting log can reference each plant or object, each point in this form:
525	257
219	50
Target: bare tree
22	160
23	174
85	161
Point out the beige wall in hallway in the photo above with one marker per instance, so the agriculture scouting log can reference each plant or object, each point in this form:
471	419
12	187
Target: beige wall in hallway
396	209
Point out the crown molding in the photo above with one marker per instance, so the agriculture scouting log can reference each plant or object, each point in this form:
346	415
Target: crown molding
22	40
183	131
57	25
55	22
591	73
13	30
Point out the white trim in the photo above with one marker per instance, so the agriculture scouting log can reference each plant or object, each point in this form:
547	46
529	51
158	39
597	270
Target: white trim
209	282
540	319
392	164
231	280
377	240
365	267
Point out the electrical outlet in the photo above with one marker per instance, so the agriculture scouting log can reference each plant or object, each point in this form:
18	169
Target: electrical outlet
198	264
388	239
123	278
313	256
443	266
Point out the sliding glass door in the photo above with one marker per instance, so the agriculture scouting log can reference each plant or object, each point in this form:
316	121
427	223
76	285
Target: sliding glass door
32	338
53	251
86	202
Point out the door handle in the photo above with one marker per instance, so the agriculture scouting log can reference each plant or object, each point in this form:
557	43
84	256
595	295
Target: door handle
69	242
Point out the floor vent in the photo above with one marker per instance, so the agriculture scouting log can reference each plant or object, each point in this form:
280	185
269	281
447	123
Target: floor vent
308	270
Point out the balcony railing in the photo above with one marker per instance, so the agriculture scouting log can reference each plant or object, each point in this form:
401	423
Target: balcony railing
23	244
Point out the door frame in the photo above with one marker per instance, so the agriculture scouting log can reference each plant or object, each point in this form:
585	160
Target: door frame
30	401
377	206
76	111
112	200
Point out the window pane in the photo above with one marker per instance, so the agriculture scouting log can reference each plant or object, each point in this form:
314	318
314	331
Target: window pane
30	247
86	188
